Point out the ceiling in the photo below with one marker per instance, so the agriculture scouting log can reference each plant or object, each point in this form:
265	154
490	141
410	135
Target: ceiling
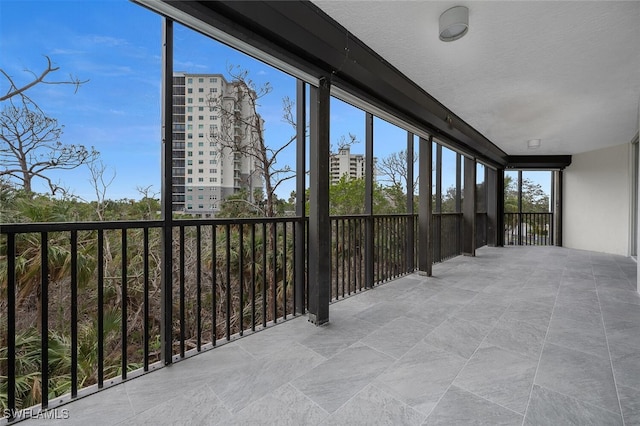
567	73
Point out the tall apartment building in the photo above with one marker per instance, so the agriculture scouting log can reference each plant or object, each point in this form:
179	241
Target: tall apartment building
204	170
345	163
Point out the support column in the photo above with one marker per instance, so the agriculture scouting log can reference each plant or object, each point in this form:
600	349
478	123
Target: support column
425	261
319	222
368	201
557	208
469	208
495	207
166	328
300	247
520	229
437	224
410	221
458	202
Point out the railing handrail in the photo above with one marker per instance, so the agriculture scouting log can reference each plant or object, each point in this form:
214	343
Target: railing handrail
29	227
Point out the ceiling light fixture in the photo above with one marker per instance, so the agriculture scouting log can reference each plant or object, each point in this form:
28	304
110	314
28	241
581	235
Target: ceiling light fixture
533	143
454	23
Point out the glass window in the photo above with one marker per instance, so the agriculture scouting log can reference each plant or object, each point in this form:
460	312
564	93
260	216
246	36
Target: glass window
189	100
189	109
201	80
189	90
201	90
189	180
190	80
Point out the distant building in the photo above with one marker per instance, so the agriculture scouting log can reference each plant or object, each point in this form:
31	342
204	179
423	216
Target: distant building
204	173
345	163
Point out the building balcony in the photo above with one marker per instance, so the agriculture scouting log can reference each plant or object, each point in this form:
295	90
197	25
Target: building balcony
518	335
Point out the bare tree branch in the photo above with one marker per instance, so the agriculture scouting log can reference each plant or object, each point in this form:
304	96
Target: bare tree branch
30	146
14	90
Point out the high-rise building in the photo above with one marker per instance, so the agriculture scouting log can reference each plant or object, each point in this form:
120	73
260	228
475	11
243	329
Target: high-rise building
206	167
344	163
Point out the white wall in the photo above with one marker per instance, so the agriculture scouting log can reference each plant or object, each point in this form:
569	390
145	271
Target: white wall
596	201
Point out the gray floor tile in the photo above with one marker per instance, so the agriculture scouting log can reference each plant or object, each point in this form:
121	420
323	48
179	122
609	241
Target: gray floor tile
458	336
500	376
518	336
578	335
421	376
335	381
284	406
373	406
383	313
455	296
581	312
582	376
296	373
535	313
432	312
551	408
482	310
246	383
459	407
627	369
617	295
630	404
107	407
336	336
538	293
197	405
398	336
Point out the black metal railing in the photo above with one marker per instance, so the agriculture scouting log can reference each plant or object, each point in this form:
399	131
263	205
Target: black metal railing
481	229
229	276
84	303
447	236
529	229
390	256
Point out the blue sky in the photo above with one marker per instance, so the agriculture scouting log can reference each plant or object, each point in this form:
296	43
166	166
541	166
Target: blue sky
115	44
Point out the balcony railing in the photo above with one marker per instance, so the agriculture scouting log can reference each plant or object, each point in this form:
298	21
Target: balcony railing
529	229
84	302
447	236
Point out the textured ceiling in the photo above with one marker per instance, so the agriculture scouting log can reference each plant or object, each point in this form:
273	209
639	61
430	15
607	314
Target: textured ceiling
567	73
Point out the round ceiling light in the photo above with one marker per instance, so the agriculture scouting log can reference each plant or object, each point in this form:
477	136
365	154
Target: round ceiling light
454	23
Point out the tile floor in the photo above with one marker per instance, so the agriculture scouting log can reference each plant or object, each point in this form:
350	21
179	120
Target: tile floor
513	336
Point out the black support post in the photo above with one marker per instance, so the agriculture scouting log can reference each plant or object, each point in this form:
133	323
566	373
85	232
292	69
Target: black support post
166	330
437	230
410	189
519	207
319	222
469	208
300	248
425	262
368	201
557	212
495	207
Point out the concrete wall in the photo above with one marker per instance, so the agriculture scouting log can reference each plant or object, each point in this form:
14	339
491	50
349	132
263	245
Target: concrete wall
597	193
